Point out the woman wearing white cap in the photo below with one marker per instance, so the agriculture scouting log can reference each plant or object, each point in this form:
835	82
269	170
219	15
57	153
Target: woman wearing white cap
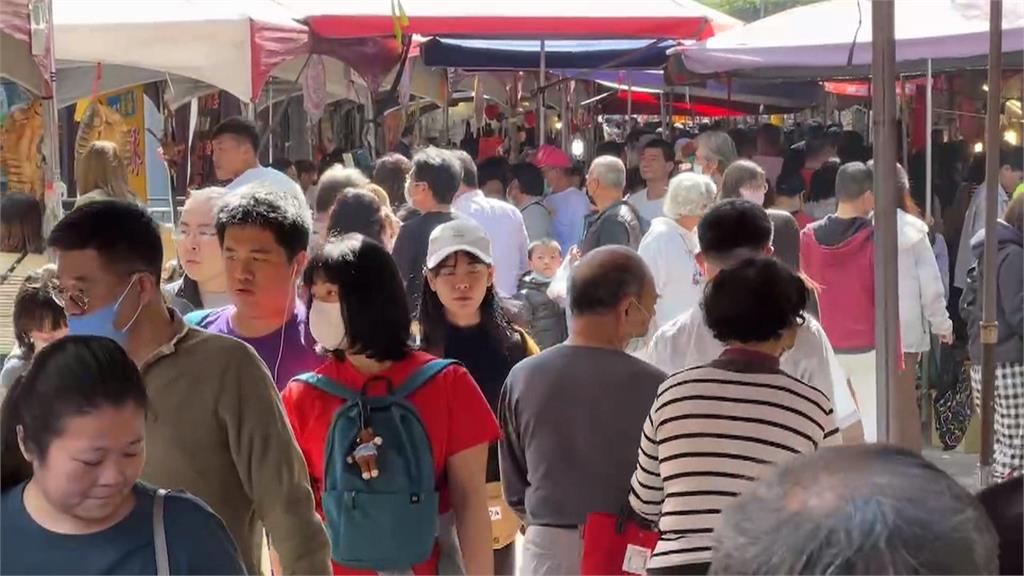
461	318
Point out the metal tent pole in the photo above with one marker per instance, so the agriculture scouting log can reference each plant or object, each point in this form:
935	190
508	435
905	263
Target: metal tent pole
989	325
41	16
883	81
928	146
445	131
542	109
629	99
270	115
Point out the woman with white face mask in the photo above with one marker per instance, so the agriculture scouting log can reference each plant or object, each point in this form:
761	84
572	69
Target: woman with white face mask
359	314
745	179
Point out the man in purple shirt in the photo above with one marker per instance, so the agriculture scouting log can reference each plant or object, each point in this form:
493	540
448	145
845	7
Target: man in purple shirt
264	233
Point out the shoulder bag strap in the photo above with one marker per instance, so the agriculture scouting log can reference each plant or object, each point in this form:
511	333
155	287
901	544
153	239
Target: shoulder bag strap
163	563
327	385
422	376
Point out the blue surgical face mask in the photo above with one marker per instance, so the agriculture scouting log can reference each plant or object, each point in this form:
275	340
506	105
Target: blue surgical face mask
101	322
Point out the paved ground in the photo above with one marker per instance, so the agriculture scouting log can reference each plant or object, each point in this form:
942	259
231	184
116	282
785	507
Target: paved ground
962	467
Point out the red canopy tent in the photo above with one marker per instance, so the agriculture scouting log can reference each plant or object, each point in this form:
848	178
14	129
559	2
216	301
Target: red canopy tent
677	19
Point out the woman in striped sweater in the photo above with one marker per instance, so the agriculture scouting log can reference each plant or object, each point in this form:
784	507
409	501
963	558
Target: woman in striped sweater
715	429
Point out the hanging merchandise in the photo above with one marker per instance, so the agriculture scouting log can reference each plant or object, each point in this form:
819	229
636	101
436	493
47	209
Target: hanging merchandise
314	87
20	139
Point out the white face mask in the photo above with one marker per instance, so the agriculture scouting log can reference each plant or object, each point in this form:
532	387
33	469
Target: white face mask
326	324
754	195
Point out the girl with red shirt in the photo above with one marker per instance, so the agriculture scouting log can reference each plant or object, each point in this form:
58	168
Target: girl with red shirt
358	313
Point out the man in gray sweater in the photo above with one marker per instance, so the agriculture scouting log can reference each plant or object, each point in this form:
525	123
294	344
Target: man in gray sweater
571	416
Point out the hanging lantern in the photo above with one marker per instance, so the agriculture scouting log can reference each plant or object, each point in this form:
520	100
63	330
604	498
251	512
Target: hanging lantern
530	118
492	111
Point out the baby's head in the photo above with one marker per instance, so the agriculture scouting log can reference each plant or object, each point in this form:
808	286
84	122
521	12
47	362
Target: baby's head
545	257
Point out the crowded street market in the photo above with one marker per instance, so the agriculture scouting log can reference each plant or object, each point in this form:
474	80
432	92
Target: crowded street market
519	288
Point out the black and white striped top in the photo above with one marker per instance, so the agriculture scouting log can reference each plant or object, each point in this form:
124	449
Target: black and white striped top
712	431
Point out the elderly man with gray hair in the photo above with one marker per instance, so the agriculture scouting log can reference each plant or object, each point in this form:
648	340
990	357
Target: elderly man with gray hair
670	247
715	153
856	510
616	222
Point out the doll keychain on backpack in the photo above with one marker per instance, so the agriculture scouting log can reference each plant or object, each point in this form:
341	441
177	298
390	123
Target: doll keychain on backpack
365	454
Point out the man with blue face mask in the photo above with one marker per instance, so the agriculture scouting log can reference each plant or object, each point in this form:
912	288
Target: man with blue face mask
215	425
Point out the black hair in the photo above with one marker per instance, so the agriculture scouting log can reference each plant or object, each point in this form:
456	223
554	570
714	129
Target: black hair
390	173
333	182
494	168
1012	156
36	309
667	151
305	167
434	323
469	175
745	142
823	182
373	301
754	301
732	225
21	223
770	133
815	146
240	128
441	172
73	376
853	180
790	185
851	147
610	148
123	234
357	211
529	177
282	164
276	211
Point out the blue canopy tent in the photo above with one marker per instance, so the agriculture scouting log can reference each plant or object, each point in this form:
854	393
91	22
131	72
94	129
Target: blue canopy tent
526	54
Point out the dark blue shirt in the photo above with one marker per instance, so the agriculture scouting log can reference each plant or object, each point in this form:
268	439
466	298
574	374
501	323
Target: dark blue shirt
197	541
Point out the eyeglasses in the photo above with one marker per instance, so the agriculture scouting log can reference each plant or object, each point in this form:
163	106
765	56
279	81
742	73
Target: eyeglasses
62	295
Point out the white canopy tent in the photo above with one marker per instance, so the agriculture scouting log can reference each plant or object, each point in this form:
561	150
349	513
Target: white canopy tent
833	39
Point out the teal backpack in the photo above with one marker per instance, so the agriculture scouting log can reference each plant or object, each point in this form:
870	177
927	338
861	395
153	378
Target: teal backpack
388	522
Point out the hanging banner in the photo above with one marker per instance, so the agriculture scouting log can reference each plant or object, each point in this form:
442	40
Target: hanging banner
120	118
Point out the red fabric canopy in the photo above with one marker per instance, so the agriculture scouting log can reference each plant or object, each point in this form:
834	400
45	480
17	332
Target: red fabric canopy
669	19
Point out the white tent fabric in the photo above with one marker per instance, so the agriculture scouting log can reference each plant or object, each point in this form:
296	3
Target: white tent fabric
820	36
217	42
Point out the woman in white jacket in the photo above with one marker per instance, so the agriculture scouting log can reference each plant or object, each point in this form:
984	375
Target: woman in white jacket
922	311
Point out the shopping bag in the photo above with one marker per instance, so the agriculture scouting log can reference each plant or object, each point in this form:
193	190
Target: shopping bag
617	544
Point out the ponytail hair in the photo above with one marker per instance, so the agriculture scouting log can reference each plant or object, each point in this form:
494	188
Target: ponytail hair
75	375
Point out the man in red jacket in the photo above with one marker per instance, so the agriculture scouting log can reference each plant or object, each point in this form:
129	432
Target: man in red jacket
838	253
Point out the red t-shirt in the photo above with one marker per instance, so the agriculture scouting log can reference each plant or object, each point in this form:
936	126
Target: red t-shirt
454	412
802	219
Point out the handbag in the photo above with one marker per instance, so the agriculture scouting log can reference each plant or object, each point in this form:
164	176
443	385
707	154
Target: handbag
617	543
504	522
952	404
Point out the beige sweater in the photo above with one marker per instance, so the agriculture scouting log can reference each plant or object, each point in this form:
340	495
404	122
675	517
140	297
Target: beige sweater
216	428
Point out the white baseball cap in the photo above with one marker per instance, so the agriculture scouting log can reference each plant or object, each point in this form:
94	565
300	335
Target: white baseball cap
459	235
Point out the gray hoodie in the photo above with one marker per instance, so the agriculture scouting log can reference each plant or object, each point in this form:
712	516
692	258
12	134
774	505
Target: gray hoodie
1009	295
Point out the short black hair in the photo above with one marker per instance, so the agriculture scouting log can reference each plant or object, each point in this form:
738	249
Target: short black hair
790	185
274	210
1012	156
493	168
667	151
754	301
282	164
815	146
469	176
305	167
73	376
609	148
123	234
853	180
823	182
373	300
357	210
605	277
441	172
529	177
240	128
734	224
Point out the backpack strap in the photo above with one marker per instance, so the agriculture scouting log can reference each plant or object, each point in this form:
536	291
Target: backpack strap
327	385
163	564
422	376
